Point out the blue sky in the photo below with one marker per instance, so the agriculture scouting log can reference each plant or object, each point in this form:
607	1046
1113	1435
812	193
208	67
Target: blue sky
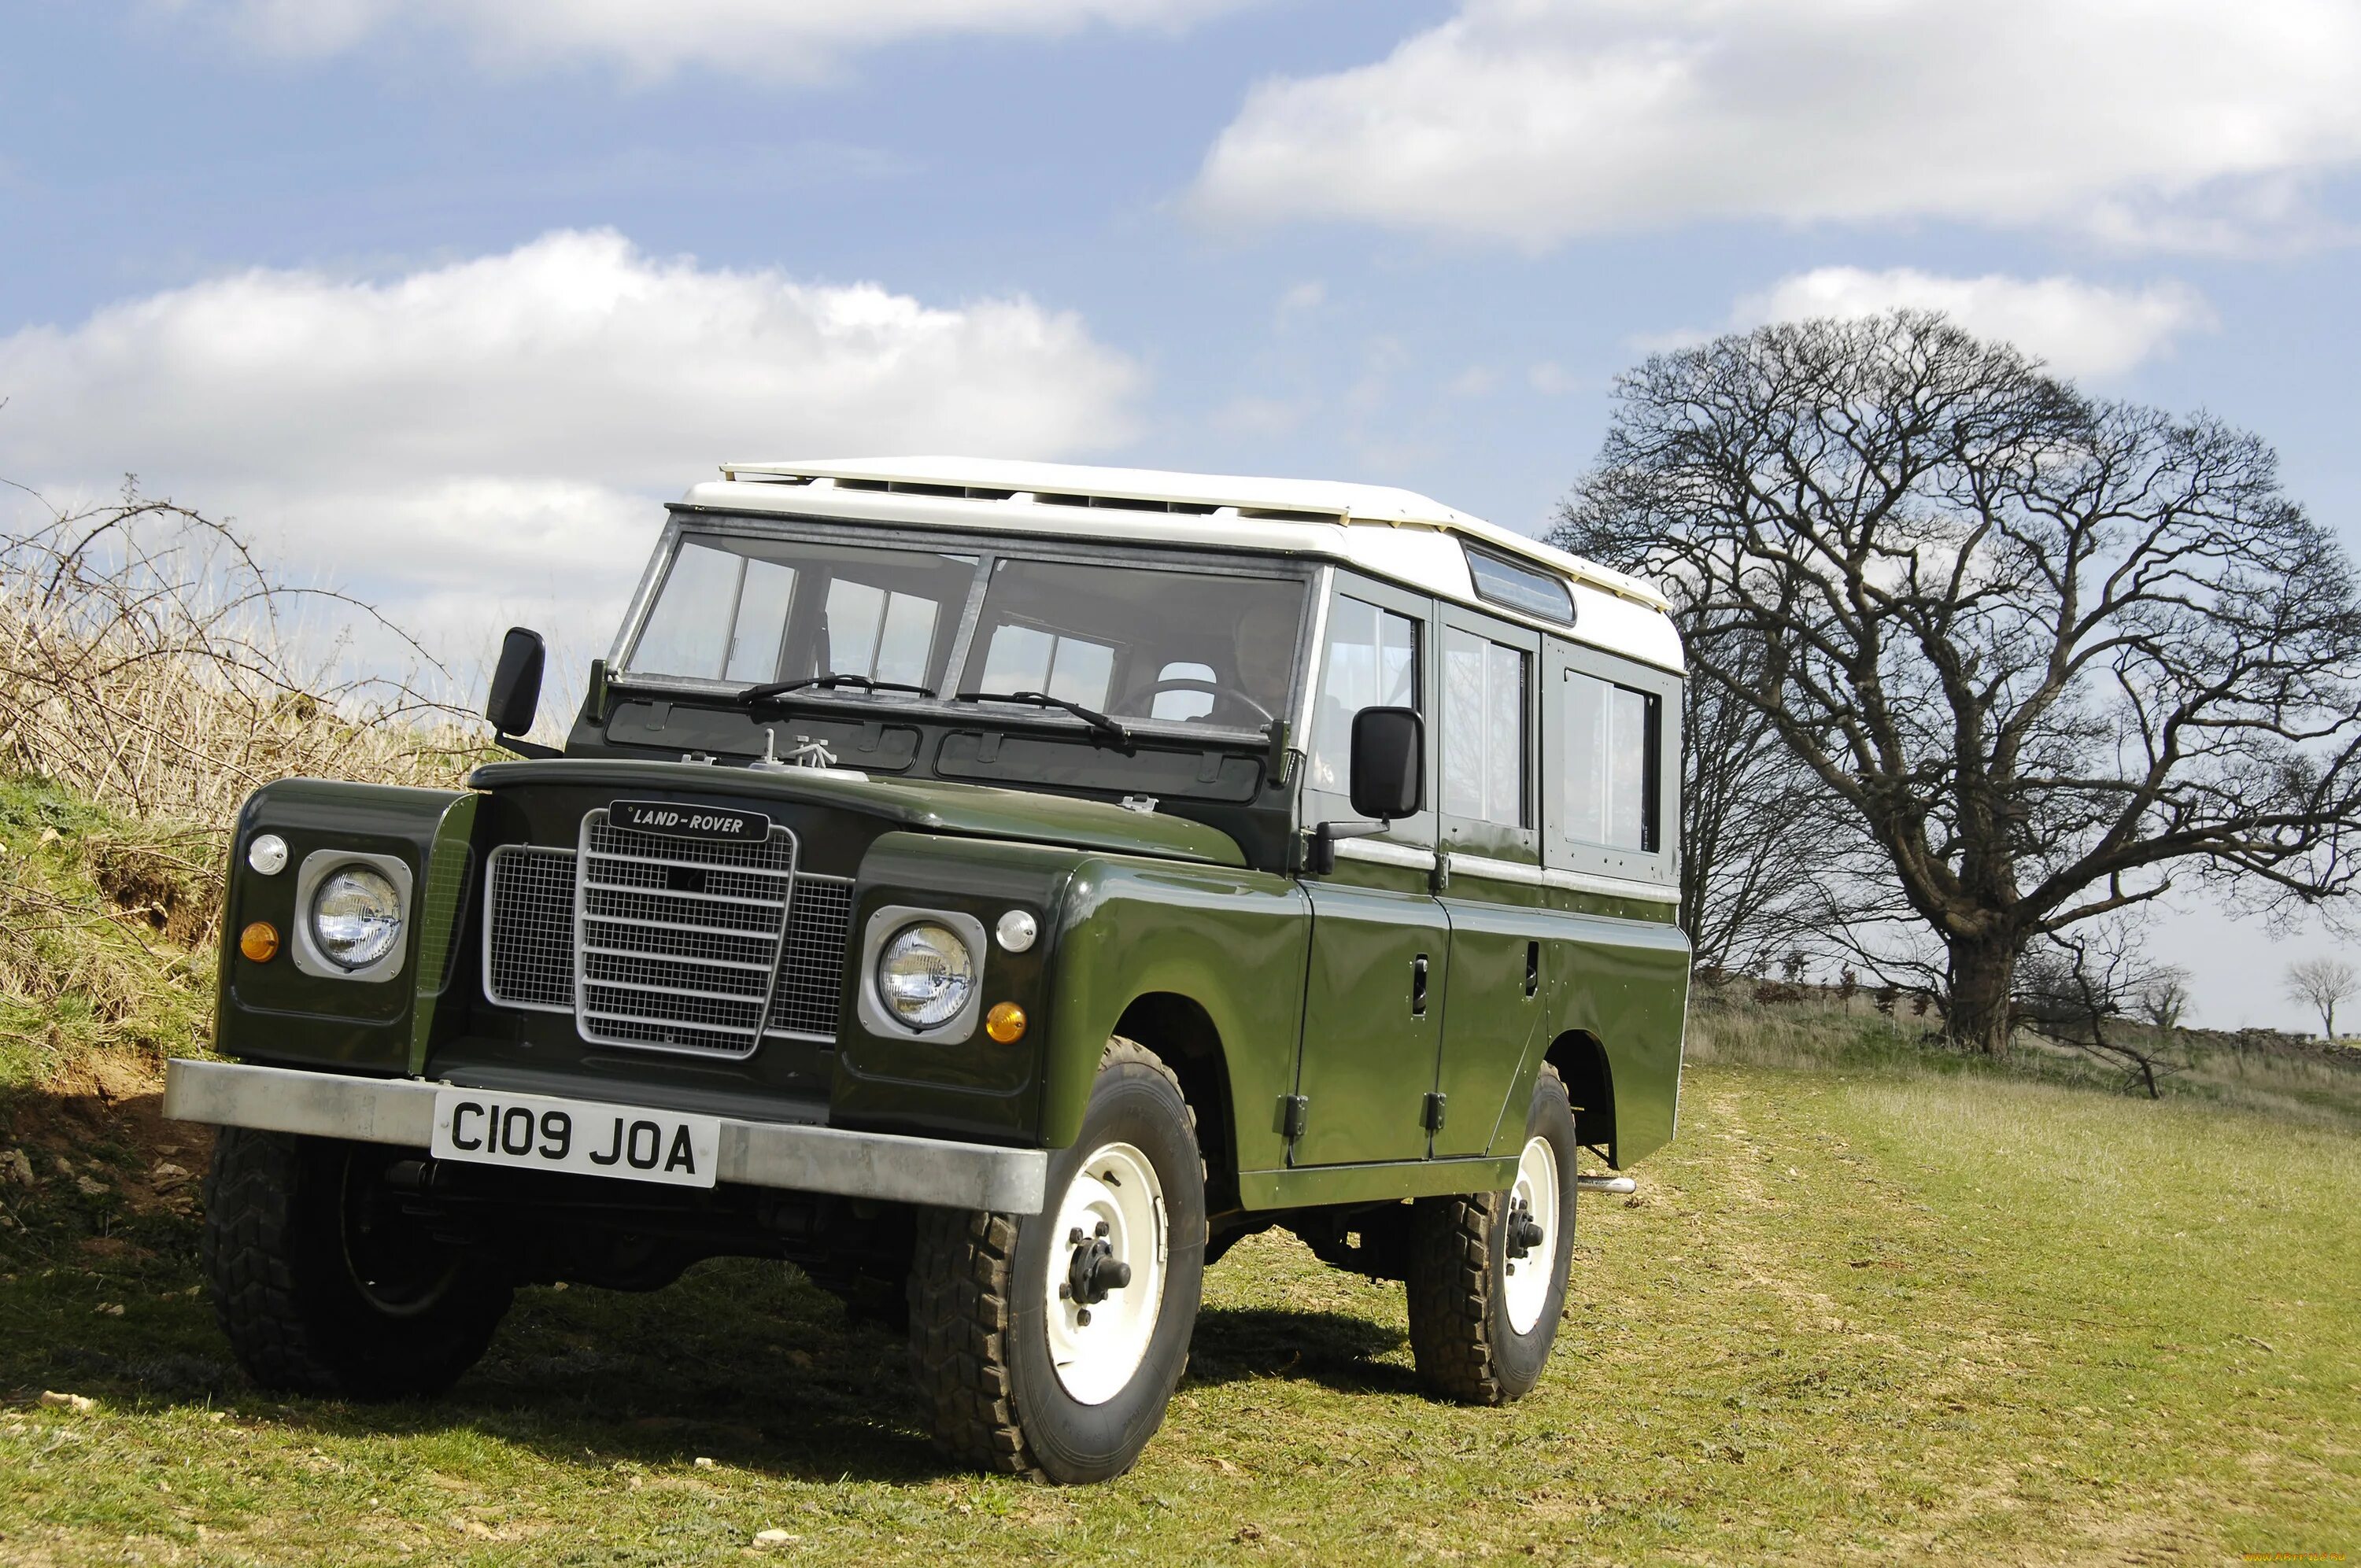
441	299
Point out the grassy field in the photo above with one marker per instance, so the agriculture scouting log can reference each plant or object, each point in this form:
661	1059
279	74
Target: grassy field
1854	1314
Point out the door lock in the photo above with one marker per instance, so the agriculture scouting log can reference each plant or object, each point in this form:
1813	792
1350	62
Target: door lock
1418	986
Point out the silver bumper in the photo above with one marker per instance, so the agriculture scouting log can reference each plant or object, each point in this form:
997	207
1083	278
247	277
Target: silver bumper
755	1154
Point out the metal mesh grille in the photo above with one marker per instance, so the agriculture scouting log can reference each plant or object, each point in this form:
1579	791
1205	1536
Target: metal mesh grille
644	965
529	928
819	924
679	937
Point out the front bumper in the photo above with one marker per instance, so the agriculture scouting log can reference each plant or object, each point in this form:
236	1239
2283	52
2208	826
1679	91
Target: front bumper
753	1154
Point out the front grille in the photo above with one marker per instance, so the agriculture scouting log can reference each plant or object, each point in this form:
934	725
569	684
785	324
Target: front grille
673	944
644	897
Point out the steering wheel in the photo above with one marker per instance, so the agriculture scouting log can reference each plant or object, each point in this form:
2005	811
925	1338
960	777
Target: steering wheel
1145	697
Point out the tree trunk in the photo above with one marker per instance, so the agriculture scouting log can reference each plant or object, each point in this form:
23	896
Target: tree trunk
1983	974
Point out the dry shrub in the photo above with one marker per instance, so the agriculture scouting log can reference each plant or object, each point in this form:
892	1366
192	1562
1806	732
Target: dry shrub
149	663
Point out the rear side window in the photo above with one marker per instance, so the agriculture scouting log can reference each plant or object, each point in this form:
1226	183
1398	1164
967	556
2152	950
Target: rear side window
1609	778
1483	729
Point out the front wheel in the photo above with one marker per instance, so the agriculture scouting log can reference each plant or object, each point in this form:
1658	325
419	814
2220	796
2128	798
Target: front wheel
1487	1270
322	1285
1049	1344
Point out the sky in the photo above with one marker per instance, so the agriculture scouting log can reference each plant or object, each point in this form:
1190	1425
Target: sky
442	300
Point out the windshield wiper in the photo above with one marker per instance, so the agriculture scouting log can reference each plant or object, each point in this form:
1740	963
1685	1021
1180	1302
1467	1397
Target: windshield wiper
1101	726
827	683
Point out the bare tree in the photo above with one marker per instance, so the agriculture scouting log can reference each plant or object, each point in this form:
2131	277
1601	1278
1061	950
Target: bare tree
2047	652
2320	984
1755	827
2164	1000
2080	986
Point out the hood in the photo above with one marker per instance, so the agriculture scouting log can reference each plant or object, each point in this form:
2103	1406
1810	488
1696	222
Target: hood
925	806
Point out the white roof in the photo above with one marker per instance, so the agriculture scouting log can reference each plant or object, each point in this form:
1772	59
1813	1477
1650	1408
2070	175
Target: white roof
1392	532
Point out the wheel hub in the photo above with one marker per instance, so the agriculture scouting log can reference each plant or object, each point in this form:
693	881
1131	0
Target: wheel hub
1524	1231
1094	1270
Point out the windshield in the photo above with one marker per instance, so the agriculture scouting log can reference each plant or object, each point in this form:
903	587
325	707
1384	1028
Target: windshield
1137	642
758	610
1133	641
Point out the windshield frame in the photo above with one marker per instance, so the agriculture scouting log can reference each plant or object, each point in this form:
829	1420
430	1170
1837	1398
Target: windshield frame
987	549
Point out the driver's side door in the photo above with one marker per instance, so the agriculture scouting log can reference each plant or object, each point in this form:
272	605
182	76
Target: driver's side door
1380	944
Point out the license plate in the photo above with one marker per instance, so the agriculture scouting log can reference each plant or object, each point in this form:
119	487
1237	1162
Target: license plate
532	1131
718	822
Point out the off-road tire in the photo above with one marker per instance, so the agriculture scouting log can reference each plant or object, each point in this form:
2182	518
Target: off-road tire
979	1348
288	1298
1461	1339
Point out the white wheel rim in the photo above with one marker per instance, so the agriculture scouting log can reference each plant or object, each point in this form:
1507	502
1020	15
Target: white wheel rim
1115	1188
1526	1290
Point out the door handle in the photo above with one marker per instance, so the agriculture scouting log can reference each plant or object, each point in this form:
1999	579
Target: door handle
1533	968
1418	986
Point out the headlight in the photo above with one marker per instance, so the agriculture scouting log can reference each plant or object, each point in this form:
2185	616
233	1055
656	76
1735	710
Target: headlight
356	918
924	974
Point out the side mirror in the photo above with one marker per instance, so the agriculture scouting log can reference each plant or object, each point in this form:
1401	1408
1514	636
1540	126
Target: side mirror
516	681
1389	779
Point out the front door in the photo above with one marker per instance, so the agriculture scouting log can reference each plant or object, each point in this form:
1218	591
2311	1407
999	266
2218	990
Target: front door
1381	945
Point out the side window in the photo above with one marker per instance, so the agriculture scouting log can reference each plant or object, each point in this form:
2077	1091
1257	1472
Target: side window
1371	660
1483	729
1608	775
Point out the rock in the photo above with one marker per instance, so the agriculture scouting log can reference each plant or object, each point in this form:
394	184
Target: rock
77	1403
167	1171
774	1537
703	1463
108	1310
90	1189
15	1168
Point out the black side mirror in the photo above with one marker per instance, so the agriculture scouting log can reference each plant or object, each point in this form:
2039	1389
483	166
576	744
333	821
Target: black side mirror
1389	779
516	683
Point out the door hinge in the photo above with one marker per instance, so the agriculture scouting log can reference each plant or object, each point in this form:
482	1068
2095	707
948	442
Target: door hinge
1292	1109
1432	1118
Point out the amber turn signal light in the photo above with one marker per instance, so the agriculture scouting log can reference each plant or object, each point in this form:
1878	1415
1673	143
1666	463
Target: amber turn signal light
260	942
1005	1023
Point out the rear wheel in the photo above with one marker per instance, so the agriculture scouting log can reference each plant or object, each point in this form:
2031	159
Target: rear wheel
324	1286
1487	1270
1049	1344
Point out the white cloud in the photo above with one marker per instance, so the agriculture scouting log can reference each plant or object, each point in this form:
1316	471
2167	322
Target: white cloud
499	432
2176	122
2081	329
1550	379
767	38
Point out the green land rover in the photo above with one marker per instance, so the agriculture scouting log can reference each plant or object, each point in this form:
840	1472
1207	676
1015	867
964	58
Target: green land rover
996	888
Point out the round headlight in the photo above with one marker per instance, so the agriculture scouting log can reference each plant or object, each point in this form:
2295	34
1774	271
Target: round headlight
356	918
924	974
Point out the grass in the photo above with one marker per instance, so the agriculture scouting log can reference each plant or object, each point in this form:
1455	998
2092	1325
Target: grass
1852	1315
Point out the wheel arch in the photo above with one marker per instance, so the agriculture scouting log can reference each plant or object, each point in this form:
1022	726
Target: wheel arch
1179	1030
1581	1060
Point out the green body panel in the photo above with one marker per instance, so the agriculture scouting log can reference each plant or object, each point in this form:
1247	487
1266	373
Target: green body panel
1232	941
1369	1058
1625	983
1493	1027
273	1012
976	1087
925	806
1309	1187
442	921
